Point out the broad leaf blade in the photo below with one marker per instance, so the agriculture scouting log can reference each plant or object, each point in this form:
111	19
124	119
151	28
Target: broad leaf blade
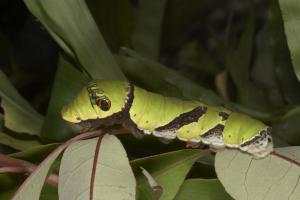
291	15
169	170
19	115
275	177
204	189
113	178
72	26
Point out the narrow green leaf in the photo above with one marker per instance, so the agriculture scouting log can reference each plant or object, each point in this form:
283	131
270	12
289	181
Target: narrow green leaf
169	170
6	195
287	126
68	82
183	17
19	144
48	192
31	188
286	75
148	28
188	88
115	20
239	68
113	178
35	153
239	62
74	29
19	114
1	118
291	15
197	59
204	189
275	177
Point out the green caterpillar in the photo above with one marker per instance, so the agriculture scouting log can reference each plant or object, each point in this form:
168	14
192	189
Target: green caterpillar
106	103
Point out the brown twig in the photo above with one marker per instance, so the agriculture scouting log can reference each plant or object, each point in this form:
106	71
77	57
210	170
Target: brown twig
96	156
13	165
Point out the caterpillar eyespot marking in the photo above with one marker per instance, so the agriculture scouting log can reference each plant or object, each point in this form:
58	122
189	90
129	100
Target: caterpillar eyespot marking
104	103
107	103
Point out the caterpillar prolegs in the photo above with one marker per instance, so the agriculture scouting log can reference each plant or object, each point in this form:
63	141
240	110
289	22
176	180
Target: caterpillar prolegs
105	103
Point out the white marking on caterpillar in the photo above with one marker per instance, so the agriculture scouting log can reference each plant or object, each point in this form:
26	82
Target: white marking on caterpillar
168	134
216	141
148	132
196	139
260	147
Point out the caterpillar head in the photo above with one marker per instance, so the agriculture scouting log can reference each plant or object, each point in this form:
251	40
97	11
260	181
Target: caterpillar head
98	103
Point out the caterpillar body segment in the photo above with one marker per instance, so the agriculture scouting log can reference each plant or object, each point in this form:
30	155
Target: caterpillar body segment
155	114
105	103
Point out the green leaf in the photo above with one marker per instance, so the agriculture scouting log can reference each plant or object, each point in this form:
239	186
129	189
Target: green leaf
291	15
137	71
197	59
157	189
204	189
148	28
188	88
36	153
68	82
113	178
287	126
286	76
272	57
115	20
19	144
19	115
32	186
183	17
48	192
72	26
239	68
169	170
275	177
6	195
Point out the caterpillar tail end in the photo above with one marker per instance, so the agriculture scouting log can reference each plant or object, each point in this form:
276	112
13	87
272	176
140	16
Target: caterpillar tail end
259	146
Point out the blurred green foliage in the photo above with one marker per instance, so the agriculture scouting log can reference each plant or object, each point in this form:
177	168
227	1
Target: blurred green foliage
232	53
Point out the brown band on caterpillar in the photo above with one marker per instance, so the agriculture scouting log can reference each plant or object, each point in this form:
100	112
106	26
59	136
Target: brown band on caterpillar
262	134
184	119
216	130
224	115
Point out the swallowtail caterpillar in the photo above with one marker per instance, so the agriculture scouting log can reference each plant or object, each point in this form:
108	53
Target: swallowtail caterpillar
106	103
